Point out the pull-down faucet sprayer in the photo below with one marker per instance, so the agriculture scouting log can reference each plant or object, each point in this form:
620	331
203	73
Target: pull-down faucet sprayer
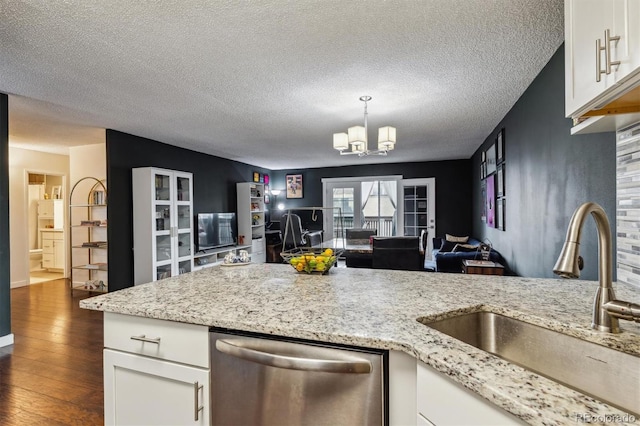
606	309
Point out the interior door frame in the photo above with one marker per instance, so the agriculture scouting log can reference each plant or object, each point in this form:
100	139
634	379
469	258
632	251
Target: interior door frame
430	183
65	223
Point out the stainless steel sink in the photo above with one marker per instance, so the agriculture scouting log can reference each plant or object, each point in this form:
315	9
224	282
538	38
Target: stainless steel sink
603	373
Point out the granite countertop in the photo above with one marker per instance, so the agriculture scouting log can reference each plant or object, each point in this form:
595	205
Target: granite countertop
378	309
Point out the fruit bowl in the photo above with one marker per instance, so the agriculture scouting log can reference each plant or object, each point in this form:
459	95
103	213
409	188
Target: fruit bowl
317	261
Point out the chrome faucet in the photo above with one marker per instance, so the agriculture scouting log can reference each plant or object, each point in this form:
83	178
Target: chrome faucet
606	309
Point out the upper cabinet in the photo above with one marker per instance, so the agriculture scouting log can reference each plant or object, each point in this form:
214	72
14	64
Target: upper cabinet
602	58
50	214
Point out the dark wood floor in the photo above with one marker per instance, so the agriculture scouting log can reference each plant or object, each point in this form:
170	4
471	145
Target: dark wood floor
52	375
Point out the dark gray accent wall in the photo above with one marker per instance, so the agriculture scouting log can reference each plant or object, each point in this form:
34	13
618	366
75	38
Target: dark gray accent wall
214	187
5	275
453	187
548	174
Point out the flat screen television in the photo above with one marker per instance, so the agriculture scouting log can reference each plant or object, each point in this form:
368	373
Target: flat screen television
215	230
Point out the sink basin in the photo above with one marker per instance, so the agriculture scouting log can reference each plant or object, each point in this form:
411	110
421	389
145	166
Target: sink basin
603	373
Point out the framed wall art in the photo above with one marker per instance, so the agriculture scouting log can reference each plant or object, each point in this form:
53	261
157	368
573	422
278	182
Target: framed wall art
500	181
483	197
501	205
491	202
500	146
491	159
294	186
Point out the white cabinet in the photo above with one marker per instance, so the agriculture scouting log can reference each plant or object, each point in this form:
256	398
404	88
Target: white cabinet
162	223
52	249
51	214
441	401
155	372
216	256
251	219
602	52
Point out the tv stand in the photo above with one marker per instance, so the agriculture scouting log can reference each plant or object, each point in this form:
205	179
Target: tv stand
208	258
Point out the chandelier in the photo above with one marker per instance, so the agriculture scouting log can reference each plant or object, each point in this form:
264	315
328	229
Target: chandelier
357	138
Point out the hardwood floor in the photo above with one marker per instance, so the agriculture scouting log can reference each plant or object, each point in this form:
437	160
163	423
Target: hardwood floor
52	375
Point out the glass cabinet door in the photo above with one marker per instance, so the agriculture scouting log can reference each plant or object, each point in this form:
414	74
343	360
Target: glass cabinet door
183	188
163	187
183	223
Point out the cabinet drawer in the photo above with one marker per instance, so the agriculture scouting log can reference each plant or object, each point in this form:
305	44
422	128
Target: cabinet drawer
185	343
50	236
47	246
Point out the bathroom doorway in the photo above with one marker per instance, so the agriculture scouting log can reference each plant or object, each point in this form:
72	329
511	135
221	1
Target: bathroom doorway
46	226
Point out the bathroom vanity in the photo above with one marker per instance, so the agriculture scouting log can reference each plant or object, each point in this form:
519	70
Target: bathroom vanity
433	377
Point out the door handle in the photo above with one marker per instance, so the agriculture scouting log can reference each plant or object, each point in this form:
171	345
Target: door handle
599	70
358	366
607	51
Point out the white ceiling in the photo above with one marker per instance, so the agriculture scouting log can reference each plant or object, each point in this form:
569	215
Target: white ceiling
268	82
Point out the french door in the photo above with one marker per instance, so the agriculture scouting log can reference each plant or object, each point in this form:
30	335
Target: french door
365	202
389	204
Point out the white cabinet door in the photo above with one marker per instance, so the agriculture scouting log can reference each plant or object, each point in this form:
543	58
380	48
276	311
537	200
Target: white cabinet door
139	390
626	25
58	254
585	23
183	223
45	209
443	402
590	83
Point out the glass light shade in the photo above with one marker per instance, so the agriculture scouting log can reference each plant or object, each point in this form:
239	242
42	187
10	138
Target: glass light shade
386	138
276	192
340	141
357	136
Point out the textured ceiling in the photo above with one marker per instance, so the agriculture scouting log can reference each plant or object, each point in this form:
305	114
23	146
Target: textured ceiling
268	82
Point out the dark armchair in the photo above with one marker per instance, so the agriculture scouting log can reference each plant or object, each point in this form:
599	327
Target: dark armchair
401	253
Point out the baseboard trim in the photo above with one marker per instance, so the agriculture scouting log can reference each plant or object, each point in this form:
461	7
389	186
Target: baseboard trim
22	283
6	340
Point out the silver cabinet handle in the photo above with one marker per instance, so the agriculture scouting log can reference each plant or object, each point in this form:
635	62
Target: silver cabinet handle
599	70
607	50
143	338
196	401
293	363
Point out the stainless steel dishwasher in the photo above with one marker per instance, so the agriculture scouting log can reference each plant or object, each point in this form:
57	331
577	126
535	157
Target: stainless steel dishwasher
273	381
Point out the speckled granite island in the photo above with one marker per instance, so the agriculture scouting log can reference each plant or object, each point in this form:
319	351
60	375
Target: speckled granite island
378	309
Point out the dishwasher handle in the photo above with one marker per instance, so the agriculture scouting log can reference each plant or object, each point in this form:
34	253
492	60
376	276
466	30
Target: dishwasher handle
359	366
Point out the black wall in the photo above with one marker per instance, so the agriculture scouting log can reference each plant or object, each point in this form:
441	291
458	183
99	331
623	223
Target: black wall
5	275
214	187
453	187
548	174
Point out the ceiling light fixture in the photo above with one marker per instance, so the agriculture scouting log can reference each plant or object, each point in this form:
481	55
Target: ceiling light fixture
357	138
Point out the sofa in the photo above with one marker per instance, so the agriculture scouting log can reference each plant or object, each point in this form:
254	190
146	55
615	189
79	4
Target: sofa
447	256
